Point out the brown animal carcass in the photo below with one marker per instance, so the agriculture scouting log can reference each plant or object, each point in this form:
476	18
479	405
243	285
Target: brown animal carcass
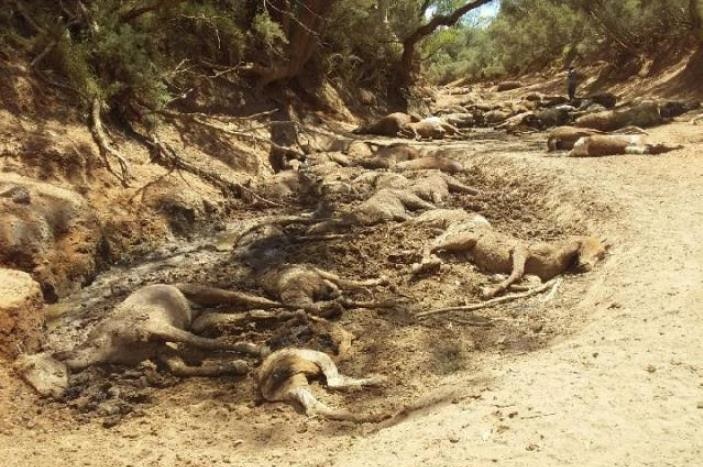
429	128
610	145
564	137
390	125
643	114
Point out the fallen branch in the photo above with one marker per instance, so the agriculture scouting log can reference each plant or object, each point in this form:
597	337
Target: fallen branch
370	305
494	301
50	46
198	119
278	220
163	154
104	145
319	238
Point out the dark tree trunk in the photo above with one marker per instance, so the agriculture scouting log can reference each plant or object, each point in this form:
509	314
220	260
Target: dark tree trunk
407	65
695	16
302	23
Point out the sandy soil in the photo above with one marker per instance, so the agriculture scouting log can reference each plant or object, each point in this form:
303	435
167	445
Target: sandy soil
608	372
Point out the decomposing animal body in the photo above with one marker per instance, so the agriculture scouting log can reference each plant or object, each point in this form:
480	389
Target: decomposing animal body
609	145
606	99
520	122
433	161
384	206
496	116
508	86
389	156
433	186
139	328
283	377
312	289
436	186
672	109
642	114
429	128
460	120
388	205
564	137
556	116
495	252
390	125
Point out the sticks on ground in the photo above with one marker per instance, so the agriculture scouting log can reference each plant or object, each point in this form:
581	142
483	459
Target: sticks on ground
494	301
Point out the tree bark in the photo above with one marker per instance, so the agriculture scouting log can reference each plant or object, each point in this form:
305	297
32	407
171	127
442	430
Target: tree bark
695	16
408	58
302	31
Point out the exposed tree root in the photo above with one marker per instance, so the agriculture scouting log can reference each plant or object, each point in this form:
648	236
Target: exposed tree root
104	145
494	301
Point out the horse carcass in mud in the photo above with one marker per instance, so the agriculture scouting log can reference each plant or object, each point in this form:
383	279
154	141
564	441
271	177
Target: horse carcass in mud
283	377
390	125
139	329
495	252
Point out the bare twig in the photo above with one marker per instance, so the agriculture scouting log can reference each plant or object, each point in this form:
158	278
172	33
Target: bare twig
494	301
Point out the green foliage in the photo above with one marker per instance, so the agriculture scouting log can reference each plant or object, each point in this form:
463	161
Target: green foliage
140	54
268	30
530	34
354	55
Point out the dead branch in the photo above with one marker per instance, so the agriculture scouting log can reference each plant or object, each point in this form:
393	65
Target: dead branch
319	238
105	147
370	305
50	46
198	119
277	220
163	154
494	301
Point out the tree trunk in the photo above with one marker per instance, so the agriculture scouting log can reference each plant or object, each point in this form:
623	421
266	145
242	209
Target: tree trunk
406	67
302	31
694	13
